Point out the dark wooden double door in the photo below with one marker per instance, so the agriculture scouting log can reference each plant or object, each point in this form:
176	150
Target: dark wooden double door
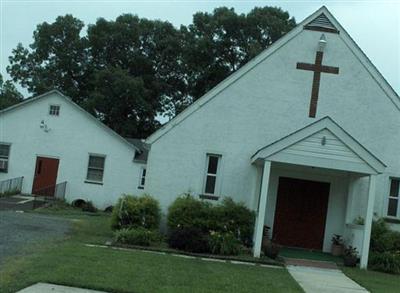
300	213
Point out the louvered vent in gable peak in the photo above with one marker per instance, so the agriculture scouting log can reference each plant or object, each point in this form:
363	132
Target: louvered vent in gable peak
321	23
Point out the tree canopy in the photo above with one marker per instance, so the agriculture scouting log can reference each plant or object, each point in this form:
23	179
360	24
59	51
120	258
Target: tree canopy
129	70
9	95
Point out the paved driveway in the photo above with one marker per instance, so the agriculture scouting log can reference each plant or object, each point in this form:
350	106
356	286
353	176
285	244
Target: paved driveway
20	203
18	230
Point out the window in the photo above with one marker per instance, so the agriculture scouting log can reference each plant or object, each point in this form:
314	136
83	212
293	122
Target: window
95	168
142	179
54	110
211	175
4	155
394	195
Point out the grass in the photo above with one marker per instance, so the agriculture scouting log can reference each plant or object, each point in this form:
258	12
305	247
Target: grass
311	255
69	262
374	282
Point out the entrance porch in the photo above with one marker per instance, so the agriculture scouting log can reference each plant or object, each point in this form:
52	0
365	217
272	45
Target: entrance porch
311	185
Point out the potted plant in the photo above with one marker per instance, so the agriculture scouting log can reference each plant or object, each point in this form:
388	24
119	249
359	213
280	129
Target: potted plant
271	249
350	256
265	238
359	221
337	245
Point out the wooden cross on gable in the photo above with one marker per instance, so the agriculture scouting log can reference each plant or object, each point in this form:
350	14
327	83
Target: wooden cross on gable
318	68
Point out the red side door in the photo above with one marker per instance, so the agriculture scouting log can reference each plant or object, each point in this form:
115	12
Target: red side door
45	177
300	214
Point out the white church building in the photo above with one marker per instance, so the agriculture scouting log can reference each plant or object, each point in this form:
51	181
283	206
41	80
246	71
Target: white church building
60	148
307	134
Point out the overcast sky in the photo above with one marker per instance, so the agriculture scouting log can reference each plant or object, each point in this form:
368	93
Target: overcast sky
374	25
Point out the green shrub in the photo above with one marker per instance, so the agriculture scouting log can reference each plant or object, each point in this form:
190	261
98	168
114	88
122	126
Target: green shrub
388	262
188	212
138	236
232	220
136	211
384	248
190	239
224	243
383	239
237	219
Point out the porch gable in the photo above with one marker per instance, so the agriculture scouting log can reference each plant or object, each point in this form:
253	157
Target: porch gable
322	144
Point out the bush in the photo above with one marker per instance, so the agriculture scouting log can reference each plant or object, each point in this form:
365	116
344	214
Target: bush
384	248
387	262
224	243
237	219
188	239
138	236
134	211
383	239
188	212
232	223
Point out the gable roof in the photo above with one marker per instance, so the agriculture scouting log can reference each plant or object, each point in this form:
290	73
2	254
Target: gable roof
359	54
346	147
88	115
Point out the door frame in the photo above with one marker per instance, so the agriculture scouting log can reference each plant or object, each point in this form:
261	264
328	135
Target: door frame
335	223
35	165
324	216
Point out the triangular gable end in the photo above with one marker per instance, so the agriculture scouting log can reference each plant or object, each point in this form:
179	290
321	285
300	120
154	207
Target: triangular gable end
69	100
322	144
321	23
359	54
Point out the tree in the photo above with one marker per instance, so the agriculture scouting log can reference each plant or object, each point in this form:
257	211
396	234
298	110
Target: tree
219	43
57	59
9	95
129	70
144	48
130	111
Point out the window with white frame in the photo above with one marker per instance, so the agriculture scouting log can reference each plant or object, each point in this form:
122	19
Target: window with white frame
96	168
210	184
4	156
54	110
394	194
142	178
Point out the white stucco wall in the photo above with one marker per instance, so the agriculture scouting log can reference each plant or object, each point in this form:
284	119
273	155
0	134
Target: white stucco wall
72	137
267	103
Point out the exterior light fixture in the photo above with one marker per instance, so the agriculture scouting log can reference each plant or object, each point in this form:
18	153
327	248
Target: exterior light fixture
44	127
322	43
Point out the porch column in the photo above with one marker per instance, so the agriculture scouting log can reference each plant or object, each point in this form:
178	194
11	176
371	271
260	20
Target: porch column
262	205
368	222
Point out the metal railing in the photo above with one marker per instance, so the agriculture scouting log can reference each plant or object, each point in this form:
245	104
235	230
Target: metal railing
11	186
58	190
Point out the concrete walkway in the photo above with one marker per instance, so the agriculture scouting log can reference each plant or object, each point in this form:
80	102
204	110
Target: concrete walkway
50	288
316	280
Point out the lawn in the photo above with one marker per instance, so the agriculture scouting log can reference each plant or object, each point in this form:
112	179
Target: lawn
374	282
70	262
